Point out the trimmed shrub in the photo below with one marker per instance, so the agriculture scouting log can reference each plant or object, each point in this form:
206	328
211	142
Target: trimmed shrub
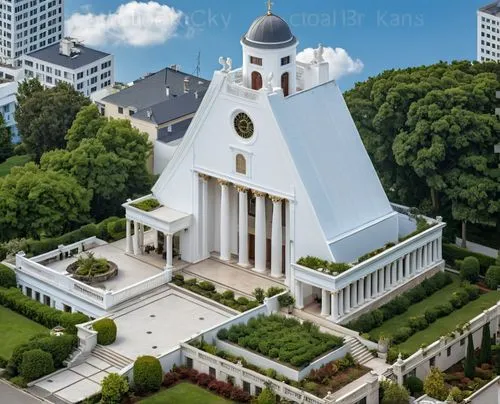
273	291
414	385
485	352
417	323
459	298
117	229
434	385
431	315
208	286
228	294
259	295
223	334
444	309
35	364
3	362
393	393
7	277
59	347
70	320
469	269
106	331
401	335
452	253
114	388
472	291
492	278
102	228
470	360
148	374
416	294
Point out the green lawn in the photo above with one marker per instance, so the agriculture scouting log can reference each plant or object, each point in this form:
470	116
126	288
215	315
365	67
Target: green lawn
440	297
185	393
12	162
447	324
16	329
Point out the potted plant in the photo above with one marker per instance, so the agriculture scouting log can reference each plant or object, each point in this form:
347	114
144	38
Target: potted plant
287	300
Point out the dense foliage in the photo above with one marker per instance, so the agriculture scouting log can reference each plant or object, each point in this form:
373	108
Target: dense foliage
114	388
414	385
453	256
485	351
393	393
88	265
44	115
430	132
323	265
37	203
106	331
469	269
282	338
470	360
147	205
15	300
6	146
35	364
148	374
7	277
434	385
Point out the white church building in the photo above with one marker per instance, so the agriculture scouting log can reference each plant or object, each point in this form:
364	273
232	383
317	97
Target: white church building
272	169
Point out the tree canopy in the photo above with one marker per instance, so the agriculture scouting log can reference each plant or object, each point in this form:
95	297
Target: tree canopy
107	157
431	132
37	203
6	146
44	115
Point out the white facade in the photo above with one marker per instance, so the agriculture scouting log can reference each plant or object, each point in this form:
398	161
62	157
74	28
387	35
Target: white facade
488	33
87	78
29	25
8	102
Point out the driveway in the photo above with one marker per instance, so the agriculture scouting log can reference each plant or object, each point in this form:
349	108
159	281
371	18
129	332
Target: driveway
12	395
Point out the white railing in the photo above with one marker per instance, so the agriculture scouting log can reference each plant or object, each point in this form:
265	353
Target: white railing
137	289
234	86
240	373
80	246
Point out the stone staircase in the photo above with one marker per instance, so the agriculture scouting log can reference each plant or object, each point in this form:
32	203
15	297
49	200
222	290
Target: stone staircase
360	353
111	357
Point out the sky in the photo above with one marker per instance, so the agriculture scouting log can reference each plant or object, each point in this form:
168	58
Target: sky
361	37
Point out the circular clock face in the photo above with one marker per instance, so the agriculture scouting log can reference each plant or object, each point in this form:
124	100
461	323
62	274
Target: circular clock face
243	125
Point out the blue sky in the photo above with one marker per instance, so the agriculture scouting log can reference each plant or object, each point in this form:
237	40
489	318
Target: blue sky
382	34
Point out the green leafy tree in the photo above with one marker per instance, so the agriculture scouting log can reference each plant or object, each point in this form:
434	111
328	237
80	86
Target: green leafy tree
430	132
393	393
434	385
6	146
470	360
27	88
37	203
266	396
114	388
485	353
107	157
44	116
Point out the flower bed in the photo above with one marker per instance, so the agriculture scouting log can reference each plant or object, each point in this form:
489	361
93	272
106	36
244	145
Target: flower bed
147	205
321	265
91	270
279	338
227	298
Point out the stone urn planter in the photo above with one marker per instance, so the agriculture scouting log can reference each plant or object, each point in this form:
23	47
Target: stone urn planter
91	270
383	345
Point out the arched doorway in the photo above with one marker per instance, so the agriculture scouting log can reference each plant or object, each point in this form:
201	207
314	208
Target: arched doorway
284	83
256	81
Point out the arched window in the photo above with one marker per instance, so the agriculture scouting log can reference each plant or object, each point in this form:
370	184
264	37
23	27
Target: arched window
285	84
241	164
256	81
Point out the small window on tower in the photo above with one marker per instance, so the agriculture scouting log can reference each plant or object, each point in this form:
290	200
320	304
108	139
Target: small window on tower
241	164
285	61
256	61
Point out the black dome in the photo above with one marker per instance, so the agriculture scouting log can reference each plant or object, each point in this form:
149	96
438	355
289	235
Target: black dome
269	31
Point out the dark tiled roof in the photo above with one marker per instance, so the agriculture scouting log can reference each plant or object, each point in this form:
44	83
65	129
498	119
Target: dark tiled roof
51	54
178	131
493	9
269	32
150	93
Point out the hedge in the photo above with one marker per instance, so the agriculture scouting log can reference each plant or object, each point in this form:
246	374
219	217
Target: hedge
148	374
49	317
35	364
7	277
400	304
106	331
452	253
469	269
321	264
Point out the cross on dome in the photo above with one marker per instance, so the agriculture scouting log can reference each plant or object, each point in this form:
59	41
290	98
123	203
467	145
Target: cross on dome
269	7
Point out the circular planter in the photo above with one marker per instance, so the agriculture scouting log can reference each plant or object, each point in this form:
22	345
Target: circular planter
111	273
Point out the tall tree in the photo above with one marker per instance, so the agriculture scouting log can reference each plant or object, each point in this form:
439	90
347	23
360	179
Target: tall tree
37	203
6	146
470	360
44	116
485	352
27	88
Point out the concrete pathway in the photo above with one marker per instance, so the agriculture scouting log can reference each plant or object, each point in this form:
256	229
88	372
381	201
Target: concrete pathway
478	248
12	395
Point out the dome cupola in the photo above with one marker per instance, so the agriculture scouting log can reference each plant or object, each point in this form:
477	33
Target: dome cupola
269	32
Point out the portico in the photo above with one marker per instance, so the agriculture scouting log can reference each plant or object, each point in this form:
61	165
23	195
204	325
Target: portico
239	221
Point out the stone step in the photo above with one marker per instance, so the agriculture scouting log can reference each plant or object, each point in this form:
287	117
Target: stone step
113	358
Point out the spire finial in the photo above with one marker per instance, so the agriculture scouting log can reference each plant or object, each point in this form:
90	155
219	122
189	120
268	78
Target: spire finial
269	7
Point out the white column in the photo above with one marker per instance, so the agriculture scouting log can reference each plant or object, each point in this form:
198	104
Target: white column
380	281
341	303
334	306
155	238
347	307
400	270
387	280
355	294
440	248
260	232
407	266
361	297
243	227
277	240
426	255
419	259
413	262
374	284
225	252
141	238
434	250
168	250
136	238
129	247
325	302
299	294
204	215
429	253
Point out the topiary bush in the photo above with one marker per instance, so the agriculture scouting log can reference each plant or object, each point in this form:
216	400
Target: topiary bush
453	254
148	374
114	388
469	269
492	278
35	364
7	277
106	331
414	385
70	320
117	229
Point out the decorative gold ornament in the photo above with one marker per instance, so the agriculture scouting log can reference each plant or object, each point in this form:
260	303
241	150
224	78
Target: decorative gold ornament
243	125
259	194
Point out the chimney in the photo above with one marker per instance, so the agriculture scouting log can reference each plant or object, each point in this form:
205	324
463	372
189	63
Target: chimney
167	90
196	94
169	129
186	85
149	113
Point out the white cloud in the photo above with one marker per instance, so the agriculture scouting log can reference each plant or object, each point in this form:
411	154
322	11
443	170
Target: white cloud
341	64
134	23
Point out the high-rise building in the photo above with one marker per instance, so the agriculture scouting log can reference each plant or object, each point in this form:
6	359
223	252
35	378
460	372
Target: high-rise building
488	32
27	26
